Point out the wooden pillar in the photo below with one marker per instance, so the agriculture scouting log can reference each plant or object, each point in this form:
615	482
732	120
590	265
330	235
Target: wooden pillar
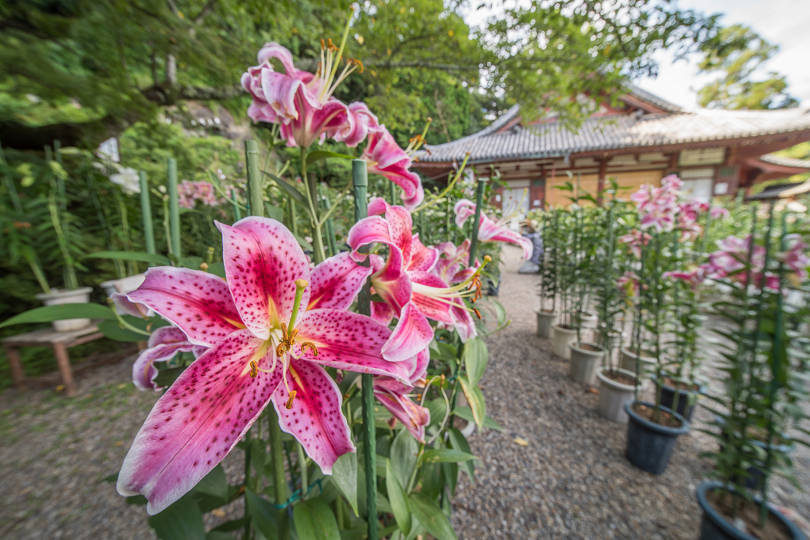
600	181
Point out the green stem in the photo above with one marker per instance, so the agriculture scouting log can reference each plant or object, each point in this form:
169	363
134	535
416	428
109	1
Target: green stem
146	214
302	463
312	198
255	188
360	183
174	211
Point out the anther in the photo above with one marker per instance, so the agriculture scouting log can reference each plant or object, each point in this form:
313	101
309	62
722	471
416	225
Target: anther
254	370
311	346
290	399
477	313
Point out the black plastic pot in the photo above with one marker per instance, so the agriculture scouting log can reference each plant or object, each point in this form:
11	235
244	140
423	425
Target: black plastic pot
687	399
650	445
714	526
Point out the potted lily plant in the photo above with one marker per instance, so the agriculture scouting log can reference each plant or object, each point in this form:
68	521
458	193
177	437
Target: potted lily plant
549	264
763	355
62	224
564	332
652	428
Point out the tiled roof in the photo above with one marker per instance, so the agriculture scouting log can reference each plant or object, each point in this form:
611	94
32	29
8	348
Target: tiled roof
614	132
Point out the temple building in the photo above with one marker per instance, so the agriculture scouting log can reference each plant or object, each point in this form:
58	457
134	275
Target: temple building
639	141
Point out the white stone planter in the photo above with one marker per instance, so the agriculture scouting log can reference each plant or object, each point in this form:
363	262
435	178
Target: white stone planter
75	296
560	339
627	361
613	395
585	358
122	286
545	319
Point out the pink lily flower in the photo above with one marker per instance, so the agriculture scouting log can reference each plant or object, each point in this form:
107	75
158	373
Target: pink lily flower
489	230
635	240
452	263
394	396
290	321
659	205
164	344
386	158
629	282
796	257
409	290
301	102
693	277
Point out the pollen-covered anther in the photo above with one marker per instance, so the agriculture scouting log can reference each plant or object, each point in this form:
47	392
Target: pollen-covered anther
311	346
290	399
477	313
355	62
254	370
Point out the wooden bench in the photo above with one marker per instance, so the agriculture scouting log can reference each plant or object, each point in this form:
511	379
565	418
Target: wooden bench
48	337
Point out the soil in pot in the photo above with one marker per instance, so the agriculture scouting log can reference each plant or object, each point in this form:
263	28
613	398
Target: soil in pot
687	396
721	521
651	435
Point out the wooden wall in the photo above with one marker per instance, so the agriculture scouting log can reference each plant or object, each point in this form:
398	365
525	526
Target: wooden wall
588	182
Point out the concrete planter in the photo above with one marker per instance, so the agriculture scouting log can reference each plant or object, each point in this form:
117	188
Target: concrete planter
613	396
627	361
545	319
715	526
75	296
585	358
560	339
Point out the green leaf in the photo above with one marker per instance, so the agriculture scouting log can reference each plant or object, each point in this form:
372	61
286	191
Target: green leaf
180	521
289	189
475	359
262	515
113	330
459	442
431	516
403	456
344	475
60	312
318	155
214	483
167	376
476	400
139	256
396	496
466	414
446	455
314	520
217	268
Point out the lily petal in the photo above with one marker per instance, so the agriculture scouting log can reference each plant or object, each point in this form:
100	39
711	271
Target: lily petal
414	417
262	262
194	425
336	282
197	302
314	417
431	307
348	341
164	343
412	334
422	258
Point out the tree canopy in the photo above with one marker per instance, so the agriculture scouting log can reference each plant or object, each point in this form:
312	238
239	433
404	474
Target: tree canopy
81	71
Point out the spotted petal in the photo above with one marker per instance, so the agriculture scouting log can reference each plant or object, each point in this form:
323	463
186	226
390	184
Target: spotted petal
412	334
430	305
164	343
336	282
197	302
394	398
348	341
314	417
194	425
262	262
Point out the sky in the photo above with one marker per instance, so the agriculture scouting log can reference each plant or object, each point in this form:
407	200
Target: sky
783	22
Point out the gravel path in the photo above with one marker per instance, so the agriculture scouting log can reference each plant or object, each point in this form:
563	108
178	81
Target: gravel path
571	481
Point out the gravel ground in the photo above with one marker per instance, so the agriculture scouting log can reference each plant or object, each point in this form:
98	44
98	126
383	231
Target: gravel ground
571	480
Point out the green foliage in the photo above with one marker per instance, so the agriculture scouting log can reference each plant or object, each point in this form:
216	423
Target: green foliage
738	54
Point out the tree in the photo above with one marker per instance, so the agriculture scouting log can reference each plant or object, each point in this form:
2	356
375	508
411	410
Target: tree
739	55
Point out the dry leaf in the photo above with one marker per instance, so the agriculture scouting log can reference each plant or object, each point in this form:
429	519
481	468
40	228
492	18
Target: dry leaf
218	512
520	441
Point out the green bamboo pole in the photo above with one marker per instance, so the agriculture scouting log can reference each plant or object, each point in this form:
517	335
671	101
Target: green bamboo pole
329	227
237	213
360	183
392	192
146	214
479	200
174	211
255	191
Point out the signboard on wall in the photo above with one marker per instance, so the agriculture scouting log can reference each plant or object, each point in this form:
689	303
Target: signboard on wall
702	156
